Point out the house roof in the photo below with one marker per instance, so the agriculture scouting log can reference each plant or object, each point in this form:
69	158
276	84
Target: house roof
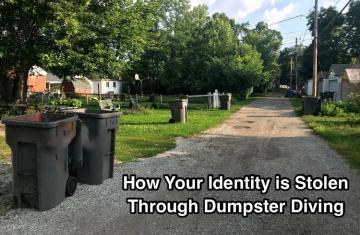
339	69
81	84
37	71
51	78
352	75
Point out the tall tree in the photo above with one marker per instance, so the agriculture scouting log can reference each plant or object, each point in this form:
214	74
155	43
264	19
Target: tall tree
332	41
97	37
353	30
267	42
285	64
22	40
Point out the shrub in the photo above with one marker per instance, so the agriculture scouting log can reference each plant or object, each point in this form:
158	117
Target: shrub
353	105
333	109
75	103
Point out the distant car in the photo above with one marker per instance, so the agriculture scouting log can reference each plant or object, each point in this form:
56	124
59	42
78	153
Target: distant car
293	94
284	87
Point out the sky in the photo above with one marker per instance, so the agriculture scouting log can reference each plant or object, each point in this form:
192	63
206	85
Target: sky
272	11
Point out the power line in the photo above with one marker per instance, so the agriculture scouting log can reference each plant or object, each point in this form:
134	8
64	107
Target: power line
281	21
291	42
334	18
294	32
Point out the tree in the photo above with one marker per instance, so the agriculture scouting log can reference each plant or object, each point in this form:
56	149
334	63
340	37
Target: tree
332	45
22	40
353	30
97	37
285	65
267	42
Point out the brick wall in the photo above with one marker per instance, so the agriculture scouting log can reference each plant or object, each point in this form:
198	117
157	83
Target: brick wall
36	83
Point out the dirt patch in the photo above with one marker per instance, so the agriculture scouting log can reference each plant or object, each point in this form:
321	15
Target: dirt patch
2	130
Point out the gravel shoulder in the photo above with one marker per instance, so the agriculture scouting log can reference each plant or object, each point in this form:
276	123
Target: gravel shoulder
264	138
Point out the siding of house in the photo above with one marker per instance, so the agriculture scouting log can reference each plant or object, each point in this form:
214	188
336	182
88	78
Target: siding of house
36	83
105	87
308	87
345	90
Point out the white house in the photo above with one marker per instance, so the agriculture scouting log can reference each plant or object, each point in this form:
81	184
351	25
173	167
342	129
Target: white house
106	86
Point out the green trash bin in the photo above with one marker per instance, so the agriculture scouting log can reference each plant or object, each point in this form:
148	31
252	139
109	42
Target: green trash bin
98	135
311	105
39	144
178	111
225	101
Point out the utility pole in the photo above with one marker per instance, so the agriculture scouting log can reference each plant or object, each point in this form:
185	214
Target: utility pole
315	54
296	64
291	72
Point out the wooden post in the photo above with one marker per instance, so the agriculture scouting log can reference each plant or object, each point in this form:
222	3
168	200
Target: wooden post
87	99
161	99
315	54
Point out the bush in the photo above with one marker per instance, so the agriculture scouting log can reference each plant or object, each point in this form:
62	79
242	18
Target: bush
76	103
333	109
353	105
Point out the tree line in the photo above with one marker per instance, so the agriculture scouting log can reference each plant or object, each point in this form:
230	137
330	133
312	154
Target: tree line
339	43
173	47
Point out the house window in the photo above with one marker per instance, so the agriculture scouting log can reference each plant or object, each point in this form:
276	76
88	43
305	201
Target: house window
114	84
107	84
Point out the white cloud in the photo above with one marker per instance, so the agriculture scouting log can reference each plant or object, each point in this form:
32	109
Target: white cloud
274	15
237	9
198	2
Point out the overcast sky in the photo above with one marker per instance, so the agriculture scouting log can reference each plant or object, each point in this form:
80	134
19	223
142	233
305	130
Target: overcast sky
272	11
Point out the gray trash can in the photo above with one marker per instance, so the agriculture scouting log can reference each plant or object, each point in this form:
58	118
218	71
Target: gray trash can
178	111
98	135
225	101
39	144
311	105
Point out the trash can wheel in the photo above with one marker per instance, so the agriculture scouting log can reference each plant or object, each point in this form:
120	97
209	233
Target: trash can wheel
71	185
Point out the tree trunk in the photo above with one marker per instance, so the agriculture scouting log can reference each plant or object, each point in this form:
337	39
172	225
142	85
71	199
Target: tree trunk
16	91
24	86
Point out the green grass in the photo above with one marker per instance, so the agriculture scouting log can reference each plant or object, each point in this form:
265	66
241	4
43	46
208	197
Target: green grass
5	151
297	103
149	133
145	135
342	133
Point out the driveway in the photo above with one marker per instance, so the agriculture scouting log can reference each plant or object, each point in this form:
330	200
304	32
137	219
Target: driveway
264	138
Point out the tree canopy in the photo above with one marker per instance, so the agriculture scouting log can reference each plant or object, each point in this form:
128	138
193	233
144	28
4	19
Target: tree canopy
173	47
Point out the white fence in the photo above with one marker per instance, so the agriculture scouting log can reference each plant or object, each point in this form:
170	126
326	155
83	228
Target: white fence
213	99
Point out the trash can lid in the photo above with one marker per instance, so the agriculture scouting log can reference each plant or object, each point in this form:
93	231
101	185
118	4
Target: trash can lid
41	120
99	114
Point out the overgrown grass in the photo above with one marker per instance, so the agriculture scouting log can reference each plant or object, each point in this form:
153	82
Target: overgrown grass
145	135
342	133
5	151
